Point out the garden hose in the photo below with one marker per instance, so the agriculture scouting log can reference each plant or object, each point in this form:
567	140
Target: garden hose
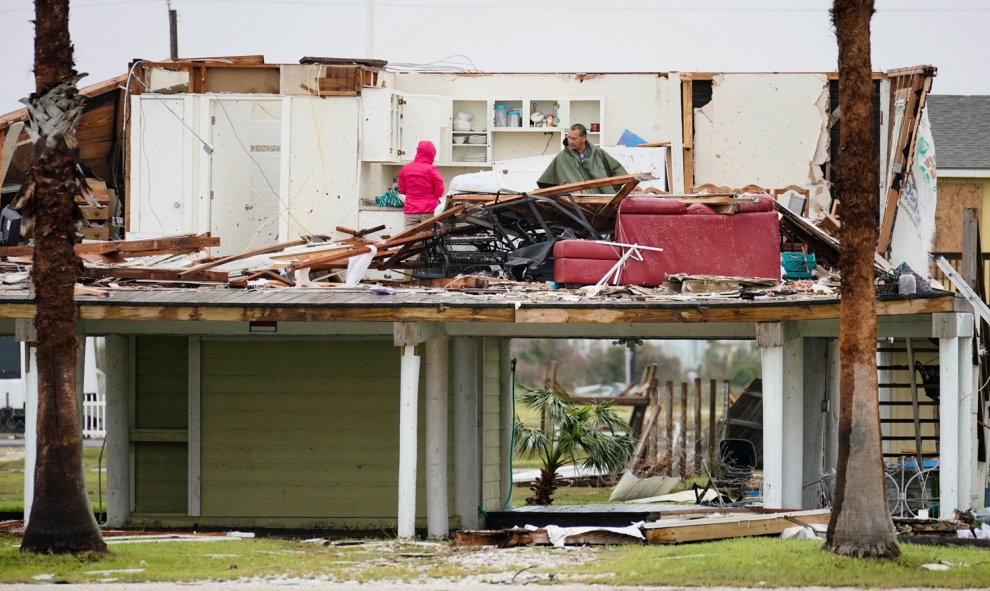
512	437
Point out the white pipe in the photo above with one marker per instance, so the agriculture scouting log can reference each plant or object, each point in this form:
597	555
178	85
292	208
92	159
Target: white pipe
408	395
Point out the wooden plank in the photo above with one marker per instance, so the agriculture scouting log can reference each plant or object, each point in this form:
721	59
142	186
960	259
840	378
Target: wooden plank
153	274
592	184
687	117
732	526
243	255
608	210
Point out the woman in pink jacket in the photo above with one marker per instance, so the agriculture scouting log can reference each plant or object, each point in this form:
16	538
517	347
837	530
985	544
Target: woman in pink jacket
421	183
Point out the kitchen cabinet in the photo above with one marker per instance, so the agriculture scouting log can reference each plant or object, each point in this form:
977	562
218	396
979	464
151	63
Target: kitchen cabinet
393	123
464	128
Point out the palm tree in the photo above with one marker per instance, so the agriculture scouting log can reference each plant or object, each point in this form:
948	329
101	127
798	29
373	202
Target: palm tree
590	434
61	519
860	525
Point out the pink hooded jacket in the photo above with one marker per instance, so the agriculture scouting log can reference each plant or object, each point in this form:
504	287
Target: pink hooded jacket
420	181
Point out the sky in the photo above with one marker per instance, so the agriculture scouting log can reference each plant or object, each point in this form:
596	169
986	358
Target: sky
512	35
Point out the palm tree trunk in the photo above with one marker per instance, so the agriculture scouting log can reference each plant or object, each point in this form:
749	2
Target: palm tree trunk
61	519
860	525
543	488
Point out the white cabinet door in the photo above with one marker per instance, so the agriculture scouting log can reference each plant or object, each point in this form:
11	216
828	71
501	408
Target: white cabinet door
379	125
245	179
162	165
425	117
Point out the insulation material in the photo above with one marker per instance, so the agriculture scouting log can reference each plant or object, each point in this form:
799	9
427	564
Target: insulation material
759	130
914	226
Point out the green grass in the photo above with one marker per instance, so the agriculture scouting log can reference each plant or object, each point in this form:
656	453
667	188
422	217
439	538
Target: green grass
12	481
758	562
752	562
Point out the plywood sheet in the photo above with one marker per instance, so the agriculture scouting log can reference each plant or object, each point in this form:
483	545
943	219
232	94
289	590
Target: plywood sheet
952	199
761	129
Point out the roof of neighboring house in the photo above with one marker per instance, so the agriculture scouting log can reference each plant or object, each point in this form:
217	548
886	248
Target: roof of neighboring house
961	128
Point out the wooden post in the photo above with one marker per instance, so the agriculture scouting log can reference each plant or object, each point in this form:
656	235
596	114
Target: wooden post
712	441
467	492
970	249
648	431
118	430
723	430
670	422
697	425
437	525
684	429
656	432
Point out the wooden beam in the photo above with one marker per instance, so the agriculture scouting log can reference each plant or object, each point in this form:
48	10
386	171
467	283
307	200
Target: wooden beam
131	248
592	184
152	274
687	117
608	210
244	255
676	531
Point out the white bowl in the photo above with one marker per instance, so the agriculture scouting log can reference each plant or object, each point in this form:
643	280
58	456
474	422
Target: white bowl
459	139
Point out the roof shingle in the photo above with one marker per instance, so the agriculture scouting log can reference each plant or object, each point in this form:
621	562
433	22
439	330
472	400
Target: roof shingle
961	129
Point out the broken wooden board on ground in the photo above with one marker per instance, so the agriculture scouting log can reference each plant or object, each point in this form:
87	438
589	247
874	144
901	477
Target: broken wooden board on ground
182	244
730	526
518	536
685	283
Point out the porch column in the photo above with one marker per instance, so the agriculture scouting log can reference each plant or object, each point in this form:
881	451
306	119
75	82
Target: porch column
782	355
406	337
506	416
957	412
438	523
30	373
117	370
466	461
815	406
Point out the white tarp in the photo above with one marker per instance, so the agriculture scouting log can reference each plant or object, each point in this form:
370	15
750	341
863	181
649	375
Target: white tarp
520	174
914	224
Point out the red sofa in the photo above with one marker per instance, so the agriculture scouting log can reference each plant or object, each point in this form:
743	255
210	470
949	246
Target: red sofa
696	240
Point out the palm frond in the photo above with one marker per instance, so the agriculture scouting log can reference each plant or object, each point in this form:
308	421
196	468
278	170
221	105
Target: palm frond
531	442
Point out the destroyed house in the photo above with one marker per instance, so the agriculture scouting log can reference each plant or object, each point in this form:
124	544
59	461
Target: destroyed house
350	408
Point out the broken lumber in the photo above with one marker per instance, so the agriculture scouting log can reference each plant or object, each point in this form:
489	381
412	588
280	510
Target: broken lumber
592	184
152	274
730	526
183	244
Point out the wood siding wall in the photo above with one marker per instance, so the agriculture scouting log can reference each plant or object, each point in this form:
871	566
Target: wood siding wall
161	403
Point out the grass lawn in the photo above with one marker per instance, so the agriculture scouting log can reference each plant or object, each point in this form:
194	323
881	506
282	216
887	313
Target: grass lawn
12	480
753	562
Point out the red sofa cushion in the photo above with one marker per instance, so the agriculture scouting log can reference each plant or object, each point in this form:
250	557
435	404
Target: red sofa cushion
586	249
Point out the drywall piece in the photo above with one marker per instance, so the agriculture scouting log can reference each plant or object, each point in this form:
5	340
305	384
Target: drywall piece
162	80
914	224
762	129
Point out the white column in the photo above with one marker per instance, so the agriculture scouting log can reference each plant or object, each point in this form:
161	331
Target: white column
466	462
948	430
408	400
814	406
957	413
194	430
30	373
117	373
437	511
782	358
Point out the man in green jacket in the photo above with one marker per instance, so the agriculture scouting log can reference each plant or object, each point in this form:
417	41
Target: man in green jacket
581	161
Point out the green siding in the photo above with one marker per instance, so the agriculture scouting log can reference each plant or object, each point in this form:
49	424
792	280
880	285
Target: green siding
161	401
161	478
161	392
301	429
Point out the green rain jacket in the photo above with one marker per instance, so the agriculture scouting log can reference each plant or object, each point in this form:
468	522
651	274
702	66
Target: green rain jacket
567	167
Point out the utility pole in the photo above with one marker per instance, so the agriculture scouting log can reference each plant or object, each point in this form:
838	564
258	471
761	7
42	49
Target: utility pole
369	28
173	31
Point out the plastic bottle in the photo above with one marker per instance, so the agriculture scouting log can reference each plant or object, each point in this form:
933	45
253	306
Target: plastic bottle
515	119
500	116
907	284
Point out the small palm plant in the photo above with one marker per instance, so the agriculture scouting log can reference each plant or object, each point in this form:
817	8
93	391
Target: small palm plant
570	433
